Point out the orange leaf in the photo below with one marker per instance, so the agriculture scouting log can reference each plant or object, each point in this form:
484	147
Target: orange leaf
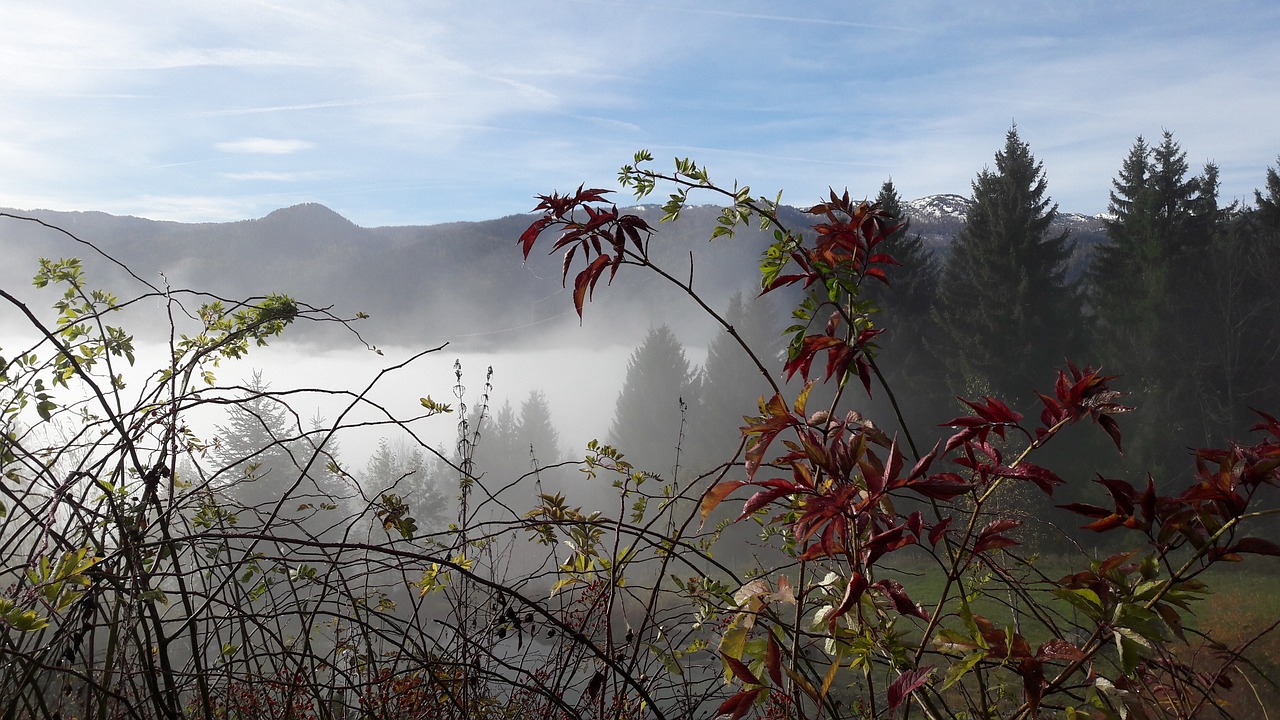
716	494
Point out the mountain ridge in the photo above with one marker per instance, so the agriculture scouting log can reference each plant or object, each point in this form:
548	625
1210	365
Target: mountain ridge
424	282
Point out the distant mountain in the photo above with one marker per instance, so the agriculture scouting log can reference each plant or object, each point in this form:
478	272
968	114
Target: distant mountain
939	218
463	281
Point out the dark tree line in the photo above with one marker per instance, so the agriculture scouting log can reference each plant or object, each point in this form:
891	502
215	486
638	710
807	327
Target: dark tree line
1181	302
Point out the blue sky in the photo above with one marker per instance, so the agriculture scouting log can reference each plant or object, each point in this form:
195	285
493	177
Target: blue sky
425	112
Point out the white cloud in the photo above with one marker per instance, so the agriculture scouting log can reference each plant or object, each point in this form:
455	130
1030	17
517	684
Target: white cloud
268	176
188	208
264	146
460	110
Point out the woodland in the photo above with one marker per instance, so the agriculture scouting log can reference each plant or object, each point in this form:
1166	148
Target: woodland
1015	477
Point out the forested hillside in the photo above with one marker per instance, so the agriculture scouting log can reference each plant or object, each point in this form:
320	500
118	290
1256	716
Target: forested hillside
455	281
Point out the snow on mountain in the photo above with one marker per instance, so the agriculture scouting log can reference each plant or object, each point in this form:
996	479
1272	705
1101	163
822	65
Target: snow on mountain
938	206
938	219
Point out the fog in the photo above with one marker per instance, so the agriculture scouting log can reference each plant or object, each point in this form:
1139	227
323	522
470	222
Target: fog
581	386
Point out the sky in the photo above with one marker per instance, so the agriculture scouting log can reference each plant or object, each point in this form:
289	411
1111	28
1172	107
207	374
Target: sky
398	113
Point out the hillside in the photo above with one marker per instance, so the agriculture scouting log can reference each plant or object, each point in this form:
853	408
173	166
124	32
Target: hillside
462	281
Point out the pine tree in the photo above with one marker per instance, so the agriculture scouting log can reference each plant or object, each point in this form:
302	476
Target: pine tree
1269	205
402	470
1238	328
914	281
1007	314
905	306
497	454
536	435
650	415
1147	292
253	449
731	382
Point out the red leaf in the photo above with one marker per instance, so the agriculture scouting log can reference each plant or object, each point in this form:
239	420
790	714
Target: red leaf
773	660
530	236
994	542
907	683
740	670
878	274
902	602
809	347
1106	523
738	704
716	494
1043	477
935	534
1085	509
1059	649
852	593
586	280
1032	672
764	497
991	538
1254	545
915	523
942	486
922	465
1109	424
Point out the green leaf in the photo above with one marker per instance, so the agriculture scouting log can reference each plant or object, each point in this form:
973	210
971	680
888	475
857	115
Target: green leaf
1084	600
668	660
1132	648
962	668
732	643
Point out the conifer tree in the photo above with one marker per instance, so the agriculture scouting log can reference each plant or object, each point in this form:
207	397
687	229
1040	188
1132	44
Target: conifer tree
1146	291
731	381
1006	309
253	447
1237	326
536	435
402	469
1269	205
906	312
660	388
497	454
914	282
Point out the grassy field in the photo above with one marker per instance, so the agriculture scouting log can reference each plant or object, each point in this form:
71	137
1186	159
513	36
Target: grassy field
1242	607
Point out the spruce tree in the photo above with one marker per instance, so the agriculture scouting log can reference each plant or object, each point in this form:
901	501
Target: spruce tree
1147	293
914	281
1007	313
660	388
1237	328
536	435
1268	209
253	448
497	454
906	312
731	382
402	470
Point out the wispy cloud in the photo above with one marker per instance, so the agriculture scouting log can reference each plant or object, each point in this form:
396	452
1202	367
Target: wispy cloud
264	146
800	20
462	111
268	176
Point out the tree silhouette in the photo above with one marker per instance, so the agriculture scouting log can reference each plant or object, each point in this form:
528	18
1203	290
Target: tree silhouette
536	435
649	418
1006	310
403	470
254	447
1148	317
730	381
909	300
